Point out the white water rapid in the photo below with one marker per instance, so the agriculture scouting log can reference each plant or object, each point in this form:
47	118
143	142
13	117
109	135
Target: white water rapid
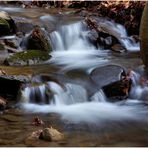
72	50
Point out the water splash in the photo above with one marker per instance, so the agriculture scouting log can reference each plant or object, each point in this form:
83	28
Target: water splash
73	50
73	104
89	112
139	89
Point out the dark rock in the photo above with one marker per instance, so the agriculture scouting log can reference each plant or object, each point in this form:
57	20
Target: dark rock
118	90
113	80
10	86
38	40
7	25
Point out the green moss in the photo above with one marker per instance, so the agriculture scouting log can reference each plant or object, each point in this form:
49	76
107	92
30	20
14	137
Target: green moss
29	55
4	22
2	47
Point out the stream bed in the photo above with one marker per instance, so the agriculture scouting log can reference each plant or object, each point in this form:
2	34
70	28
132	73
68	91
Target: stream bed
83	115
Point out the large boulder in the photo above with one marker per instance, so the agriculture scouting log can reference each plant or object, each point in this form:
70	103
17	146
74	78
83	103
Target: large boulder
10	86
113	80
117	91
32	57
144	37
106	75
7	25
38	40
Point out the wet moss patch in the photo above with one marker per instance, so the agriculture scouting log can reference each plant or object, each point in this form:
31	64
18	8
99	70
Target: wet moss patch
30	57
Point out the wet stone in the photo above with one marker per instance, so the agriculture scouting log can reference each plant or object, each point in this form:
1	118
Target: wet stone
106	75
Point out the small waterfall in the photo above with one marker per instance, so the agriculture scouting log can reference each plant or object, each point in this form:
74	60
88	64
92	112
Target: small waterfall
70	37
99	96
120	33
57	95
73	50
70	95
34	94
140	87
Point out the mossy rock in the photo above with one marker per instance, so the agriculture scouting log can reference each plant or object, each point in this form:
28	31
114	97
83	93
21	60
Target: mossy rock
4	27
7	25
38	40
31	57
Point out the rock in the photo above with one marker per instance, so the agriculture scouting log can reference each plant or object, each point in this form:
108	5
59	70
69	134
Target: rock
118	90
32	57
118	48
10	86
106	75
51	134
2	103
23	25
106	38
113	80
38	40
3	53
33	140
11	43
2	72
37	121
135	38
144	37
7	25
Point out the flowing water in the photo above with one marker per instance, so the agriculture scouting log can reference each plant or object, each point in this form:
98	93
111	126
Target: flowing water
72	50
72	101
